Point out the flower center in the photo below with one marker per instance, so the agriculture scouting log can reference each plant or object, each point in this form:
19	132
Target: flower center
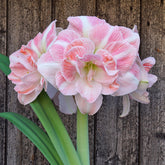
90	69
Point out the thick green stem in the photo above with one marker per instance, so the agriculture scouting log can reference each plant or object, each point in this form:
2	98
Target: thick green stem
82	138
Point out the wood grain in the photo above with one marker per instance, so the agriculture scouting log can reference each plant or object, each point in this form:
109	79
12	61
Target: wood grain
152	116
25	20
117	138
3	31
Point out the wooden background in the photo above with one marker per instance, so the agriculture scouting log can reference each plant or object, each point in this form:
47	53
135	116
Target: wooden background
138	139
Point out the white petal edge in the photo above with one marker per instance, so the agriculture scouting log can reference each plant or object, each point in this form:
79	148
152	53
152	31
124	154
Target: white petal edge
66	104
126	106
88	108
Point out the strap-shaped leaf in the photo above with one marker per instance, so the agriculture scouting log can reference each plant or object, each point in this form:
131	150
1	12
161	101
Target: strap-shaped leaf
4	64
45	111
35	134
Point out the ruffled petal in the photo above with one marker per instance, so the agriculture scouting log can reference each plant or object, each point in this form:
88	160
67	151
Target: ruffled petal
110	88
100	35
57	50
148	63
130	36
89	90
88	108
101	76
48	68
66	88
68	71
108	61
124	53
49	36
28	98
83	42
28	82
127	84
18	58
68	36
75	52
126	106
83	24
36	44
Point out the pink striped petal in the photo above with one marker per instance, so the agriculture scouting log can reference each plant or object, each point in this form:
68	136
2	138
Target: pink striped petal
110	88
148	63
88	108
36	44
89	90
83	24
57	50
83	42
15	79
66	88
152	80
28	83
68	35
130	36
19	70
96	59
49	35
126	106
28	98
68	71
115	35
124	53
100	35
18	58
75	52
101	76
127	84
108	60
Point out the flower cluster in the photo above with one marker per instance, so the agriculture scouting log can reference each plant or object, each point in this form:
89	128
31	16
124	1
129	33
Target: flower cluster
89	59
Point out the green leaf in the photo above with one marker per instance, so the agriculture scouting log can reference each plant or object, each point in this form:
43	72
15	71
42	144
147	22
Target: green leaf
4	64
44	109
35	134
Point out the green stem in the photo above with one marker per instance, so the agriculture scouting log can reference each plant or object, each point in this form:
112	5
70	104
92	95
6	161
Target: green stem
82	138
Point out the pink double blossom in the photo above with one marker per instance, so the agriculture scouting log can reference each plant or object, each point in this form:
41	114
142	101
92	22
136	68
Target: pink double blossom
91	58
23	64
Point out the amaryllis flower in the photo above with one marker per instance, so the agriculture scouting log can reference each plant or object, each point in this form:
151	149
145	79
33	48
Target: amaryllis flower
146	80
91	58
24	74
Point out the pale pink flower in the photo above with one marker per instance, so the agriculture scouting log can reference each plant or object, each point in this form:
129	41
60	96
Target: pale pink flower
24	74
91	58
146	80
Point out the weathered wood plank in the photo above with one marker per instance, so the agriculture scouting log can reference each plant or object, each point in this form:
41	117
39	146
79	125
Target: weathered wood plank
117	138
61	11
2	81
152	116
25	20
